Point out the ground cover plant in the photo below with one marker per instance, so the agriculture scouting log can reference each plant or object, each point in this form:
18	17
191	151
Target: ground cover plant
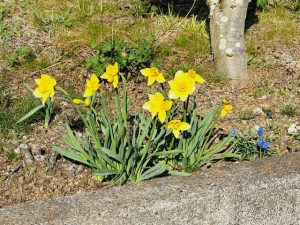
64	40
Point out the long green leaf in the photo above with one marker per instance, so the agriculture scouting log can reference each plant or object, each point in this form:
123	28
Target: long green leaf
153	171
30	113
111	154
71	155
178	173
104	172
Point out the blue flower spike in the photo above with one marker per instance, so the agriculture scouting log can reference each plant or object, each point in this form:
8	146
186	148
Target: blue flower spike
269	114
266	146
260	131
263	144
234	132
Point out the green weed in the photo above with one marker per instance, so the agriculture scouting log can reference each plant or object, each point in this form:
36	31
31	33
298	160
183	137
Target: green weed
22	55
131	59
289	110
262	91
247	115
11	109
144	8
12	156
52	21
8	29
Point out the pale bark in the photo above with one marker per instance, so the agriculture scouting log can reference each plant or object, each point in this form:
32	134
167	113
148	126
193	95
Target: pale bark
227	24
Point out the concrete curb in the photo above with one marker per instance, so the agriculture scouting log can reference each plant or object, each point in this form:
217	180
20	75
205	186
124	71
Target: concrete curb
261	192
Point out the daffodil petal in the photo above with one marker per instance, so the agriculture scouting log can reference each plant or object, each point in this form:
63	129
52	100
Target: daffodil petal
223	113
184	126
183	97
38	81
88	92
176	133
115	81
160	79
172	95
228	107
44	98
162	116
105	76
145	72
199	79
157	97
37	93
178	73
147	106
151	80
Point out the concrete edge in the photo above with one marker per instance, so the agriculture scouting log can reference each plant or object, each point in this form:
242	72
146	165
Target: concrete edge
259	192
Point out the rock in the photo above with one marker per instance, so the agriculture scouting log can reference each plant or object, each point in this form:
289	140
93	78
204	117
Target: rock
17	150
21	180
288	59
38	152
26	155
68	167
52	159
258	111
292	129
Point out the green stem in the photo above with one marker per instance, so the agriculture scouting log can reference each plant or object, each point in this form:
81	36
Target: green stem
48	113
184	112
172	142
162	89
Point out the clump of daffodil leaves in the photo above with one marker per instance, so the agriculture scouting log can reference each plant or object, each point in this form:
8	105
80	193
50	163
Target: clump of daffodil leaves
167	135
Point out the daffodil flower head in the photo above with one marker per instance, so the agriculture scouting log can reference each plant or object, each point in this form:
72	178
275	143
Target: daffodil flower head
158	106
92	85
45	87
181	86
111	74
153	75
177	126
196	77
226	108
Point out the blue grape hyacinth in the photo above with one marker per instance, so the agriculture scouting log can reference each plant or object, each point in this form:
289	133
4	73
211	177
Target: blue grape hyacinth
263	144
234	132
260	131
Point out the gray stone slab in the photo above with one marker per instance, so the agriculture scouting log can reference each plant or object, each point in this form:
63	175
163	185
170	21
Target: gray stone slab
261	192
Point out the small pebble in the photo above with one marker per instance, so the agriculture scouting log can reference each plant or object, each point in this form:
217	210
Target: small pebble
292	129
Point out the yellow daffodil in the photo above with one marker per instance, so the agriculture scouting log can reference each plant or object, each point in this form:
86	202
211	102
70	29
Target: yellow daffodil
157	105
195	77
111	74
153	75
177	126
45	87
92	85
181	86
226	107
87	102
77	101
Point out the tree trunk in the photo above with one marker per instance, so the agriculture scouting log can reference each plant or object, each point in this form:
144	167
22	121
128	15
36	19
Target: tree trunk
227	24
